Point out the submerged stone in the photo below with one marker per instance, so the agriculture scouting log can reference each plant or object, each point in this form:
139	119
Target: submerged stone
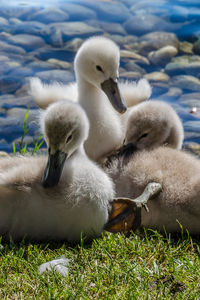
77	12
73	45
109	10
27	41
132	66
59	63
74	29
157	40
157	76
162	55
40	65
191	99
185	64
172	93
186	47
56	75
186	82
197	47
113	28
135	56
7	48
50	15
31	27
143	24
8	84
131	75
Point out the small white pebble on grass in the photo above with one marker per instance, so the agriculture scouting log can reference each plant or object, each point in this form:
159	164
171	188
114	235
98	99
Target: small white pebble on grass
60	265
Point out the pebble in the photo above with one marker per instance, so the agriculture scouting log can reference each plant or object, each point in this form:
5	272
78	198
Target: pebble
5	147
190	99
27	41
157	76
19	11
135	56
179	14
109	11
50	15
9	101
60	63
132	66
3	154
56	75
27	140
157	40
73	45
186	82
21	112
172	93
31	27
51	52
8	66
113	28
192	126
197	47
40	65
23	90
4	25
6	48
143	24
74	29
21	72
162	55
130	75
8	84
146	7
78	12
159	88
193	147
184	65
186	47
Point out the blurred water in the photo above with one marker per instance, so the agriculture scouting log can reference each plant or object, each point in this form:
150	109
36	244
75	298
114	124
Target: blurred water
40	38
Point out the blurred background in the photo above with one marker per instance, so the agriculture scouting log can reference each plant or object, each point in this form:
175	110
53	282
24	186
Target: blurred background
159	40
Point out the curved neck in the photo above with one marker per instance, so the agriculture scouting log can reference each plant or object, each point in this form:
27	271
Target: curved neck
90	97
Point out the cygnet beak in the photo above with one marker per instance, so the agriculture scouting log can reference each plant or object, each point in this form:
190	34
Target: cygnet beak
128	149
53	168
110	88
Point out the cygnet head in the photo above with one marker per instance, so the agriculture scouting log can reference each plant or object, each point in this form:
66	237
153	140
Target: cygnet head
152	124
97	62
65	127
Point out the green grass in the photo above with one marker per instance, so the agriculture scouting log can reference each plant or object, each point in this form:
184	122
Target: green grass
141	266
23	149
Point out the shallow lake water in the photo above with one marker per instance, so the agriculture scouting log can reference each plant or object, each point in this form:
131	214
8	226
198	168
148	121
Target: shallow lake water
42	39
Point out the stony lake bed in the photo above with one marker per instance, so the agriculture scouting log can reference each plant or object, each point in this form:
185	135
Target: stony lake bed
159	41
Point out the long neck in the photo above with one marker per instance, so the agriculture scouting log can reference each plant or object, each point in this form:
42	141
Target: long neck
105	129
91	98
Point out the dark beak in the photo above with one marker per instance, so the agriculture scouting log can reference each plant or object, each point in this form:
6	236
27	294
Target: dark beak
53	169
111	89
127	150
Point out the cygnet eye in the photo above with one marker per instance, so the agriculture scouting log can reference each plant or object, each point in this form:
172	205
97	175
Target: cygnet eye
142	136
99	68
69	138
